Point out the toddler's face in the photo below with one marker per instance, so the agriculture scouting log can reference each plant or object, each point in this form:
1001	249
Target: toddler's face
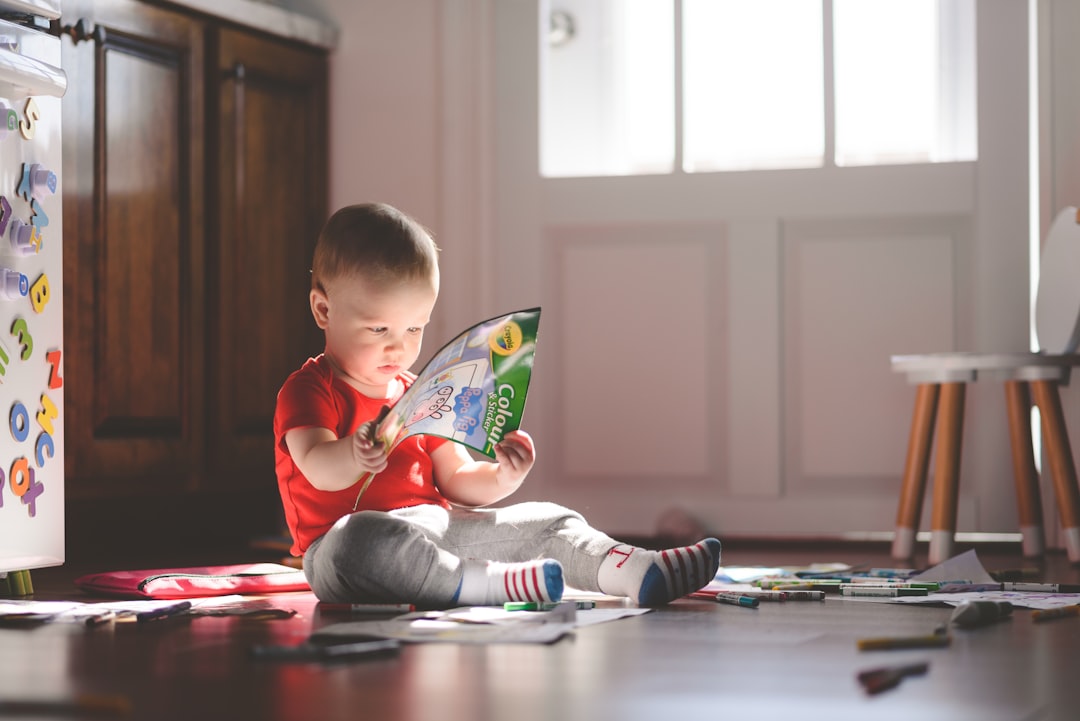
374	331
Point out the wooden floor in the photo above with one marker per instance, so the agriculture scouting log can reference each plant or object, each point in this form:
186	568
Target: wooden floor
691	660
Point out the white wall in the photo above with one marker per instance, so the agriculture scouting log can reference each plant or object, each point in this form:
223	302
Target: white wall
385	108
400	132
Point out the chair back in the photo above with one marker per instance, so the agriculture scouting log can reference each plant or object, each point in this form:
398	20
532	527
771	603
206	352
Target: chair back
1057	304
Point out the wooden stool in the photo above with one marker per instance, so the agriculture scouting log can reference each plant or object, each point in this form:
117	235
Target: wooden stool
946	397
941	380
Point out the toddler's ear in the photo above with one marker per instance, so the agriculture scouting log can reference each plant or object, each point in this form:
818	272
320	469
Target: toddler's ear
320	307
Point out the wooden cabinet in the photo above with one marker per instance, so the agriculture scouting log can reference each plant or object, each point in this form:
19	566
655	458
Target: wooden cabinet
194	185
268	205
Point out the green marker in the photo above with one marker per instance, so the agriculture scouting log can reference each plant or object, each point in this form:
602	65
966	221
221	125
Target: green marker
544	606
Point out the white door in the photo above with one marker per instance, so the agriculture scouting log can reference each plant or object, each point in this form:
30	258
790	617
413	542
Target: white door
719	342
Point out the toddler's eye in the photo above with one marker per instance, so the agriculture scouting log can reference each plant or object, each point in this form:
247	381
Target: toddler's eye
415	330
378	330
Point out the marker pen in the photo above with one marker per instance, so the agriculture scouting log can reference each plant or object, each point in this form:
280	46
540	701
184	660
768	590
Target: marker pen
545	606
804	595
1042	587
735	598
859	590
368	607
766	595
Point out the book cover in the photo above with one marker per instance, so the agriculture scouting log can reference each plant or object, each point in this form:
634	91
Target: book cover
472	391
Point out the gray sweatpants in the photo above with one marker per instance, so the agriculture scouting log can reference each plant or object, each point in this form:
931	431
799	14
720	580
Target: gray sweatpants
415	555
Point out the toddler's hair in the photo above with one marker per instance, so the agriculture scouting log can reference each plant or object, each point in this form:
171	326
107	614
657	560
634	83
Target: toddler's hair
375	240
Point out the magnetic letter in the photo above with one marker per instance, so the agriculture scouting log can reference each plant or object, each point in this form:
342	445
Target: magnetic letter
53	357
47	414
39	220
39	293
35	489
19	420
21	331
28	126
21	476
44	448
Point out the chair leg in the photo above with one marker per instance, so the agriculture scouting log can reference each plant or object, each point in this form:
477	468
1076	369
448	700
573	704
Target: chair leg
947	471
913	483
1059	455
1028	502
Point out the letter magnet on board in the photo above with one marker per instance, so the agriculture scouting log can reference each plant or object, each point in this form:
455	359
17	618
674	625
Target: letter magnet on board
22	238
5	214
53	358
42	181
39	293
20	331
28	126
13	284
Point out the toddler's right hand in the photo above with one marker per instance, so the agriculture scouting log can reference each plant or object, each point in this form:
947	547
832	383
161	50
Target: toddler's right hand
370	455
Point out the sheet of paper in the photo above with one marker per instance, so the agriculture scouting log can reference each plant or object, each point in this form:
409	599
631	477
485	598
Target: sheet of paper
1019	599
480	624
964	567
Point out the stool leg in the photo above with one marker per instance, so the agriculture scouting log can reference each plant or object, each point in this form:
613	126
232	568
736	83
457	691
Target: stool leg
913	482
1028	503
1060	458
947	471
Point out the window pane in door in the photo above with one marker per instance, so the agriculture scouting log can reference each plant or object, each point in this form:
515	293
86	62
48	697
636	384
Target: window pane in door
607	87
753	84
905	81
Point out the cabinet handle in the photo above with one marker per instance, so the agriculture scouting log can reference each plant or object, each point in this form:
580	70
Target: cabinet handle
84	29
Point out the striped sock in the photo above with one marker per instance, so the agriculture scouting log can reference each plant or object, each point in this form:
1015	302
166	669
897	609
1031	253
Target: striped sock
488	583
653	578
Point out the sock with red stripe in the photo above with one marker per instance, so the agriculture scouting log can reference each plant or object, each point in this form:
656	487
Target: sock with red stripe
488	583
653	578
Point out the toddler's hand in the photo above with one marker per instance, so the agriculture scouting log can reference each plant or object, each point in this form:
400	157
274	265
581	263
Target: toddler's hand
515	454
369	454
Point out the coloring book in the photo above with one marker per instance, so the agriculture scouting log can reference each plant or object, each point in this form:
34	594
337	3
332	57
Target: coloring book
472	391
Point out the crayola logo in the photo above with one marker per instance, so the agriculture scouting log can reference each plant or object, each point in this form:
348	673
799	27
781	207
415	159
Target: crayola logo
505	339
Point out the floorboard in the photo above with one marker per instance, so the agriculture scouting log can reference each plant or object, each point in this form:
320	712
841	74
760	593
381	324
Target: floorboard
690	660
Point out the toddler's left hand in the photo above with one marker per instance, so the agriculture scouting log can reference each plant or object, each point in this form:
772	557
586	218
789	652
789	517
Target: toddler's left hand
516	454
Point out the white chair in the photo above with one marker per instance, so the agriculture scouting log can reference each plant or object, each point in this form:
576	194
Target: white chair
941	380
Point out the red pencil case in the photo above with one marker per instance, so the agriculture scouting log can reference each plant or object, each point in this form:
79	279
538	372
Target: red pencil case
167	583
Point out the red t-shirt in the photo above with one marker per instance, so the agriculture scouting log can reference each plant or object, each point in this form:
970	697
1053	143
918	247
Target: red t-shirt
314	397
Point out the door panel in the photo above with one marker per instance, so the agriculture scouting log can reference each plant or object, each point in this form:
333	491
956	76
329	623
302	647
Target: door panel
271	143
815	278
133	152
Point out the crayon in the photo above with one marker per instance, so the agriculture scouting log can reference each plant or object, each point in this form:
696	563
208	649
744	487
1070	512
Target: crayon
882	679
1049	614
884	643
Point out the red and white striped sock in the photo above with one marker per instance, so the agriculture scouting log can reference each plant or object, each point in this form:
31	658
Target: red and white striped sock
488	583
653	578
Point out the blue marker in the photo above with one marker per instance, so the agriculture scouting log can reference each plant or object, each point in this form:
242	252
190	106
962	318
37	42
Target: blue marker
737	599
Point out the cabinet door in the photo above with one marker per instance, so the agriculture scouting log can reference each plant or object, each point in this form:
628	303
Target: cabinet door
134	249
267	208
